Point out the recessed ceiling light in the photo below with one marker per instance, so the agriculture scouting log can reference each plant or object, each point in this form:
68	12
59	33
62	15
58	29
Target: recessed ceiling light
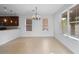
5	9
11	10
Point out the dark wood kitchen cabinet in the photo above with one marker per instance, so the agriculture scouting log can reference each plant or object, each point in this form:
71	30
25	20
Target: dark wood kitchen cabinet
9	20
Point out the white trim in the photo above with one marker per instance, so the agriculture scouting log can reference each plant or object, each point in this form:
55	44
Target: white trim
71	37
66	10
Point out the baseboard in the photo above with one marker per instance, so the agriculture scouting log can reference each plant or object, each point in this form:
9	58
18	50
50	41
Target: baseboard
37	36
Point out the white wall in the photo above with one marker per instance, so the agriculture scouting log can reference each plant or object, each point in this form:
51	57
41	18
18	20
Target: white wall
72	44
8	35
36	28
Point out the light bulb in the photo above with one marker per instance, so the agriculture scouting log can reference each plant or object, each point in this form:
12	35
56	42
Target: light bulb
5	20
11	21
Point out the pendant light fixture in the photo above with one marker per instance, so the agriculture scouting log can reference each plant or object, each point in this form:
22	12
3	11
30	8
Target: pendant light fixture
35	15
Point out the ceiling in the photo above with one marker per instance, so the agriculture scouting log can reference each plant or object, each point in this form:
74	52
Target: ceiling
26	9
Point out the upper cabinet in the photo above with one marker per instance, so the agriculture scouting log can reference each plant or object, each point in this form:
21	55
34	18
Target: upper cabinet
9	20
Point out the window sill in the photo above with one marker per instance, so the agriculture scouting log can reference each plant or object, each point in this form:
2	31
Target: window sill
71	37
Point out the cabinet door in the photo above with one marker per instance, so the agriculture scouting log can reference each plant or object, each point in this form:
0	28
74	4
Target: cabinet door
14	21
9	20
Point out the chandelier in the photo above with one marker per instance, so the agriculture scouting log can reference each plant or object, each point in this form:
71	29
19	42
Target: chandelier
35	15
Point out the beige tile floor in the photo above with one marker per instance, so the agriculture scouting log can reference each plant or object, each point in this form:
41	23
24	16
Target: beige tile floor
47	45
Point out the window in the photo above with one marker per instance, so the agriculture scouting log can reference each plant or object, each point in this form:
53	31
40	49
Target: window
29	24
64	22
45	23
70	21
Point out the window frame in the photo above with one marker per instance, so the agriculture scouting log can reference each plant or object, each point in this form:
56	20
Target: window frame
67	10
